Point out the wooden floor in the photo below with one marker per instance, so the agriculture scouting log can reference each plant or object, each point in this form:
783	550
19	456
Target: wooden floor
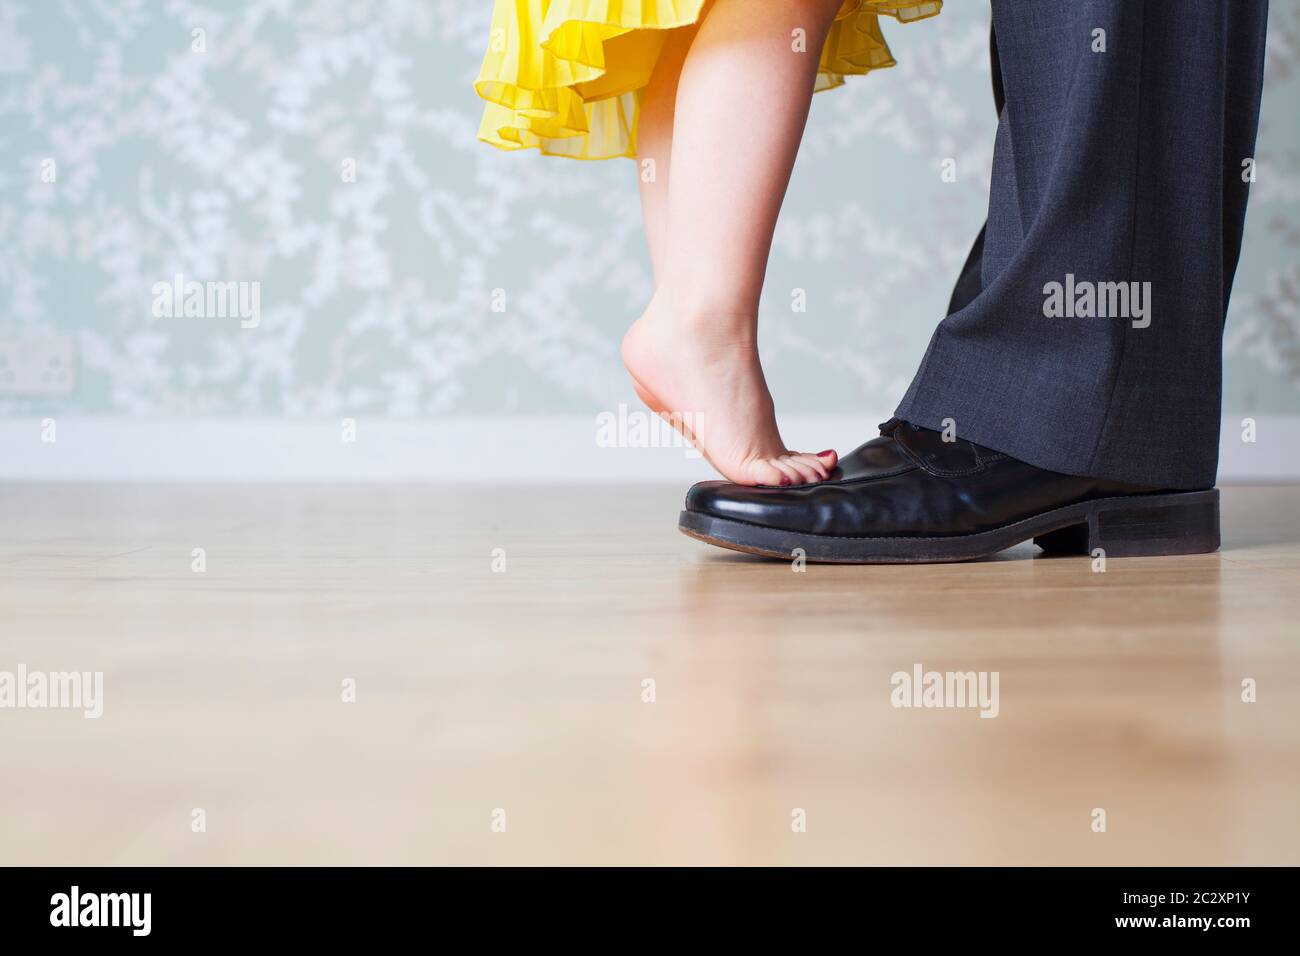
522	691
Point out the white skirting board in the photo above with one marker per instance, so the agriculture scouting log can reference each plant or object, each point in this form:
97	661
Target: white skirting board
622	446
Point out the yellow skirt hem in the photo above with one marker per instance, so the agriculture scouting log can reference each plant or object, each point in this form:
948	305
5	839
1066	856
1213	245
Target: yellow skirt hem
563	97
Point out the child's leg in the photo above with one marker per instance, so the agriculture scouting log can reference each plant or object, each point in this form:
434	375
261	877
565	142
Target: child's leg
654	141
742	100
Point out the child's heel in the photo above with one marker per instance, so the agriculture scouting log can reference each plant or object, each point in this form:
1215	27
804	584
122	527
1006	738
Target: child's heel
1181	523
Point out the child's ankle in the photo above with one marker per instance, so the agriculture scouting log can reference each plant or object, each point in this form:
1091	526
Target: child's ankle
707	318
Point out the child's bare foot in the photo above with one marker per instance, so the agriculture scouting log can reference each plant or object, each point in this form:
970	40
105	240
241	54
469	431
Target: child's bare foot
702	374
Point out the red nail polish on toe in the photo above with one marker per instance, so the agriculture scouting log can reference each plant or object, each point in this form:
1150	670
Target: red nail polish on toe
826	454
785	480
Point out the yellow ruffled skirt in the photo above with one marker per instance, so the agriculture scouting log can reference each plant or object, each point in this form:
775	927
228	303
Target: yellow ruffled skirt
565	76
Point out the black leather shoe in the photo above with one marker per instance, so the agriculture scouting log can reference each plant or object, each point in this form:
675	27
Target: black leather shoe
909	496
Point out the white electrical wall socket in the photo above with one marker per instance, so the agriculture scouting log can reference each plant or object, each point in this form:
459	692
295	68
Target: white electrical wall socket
38	365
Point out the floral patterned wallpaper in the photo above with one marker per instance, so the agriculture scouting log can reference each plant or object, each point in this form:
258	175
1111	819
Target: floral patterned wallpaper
305	173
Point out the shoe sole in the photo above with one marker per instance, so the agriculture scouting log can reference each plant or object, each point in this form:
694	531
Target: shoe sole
1133	526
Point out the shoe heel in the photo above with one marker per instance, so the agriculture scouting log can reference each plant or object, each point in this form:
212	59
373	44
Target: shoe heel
1183	523
1071	540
